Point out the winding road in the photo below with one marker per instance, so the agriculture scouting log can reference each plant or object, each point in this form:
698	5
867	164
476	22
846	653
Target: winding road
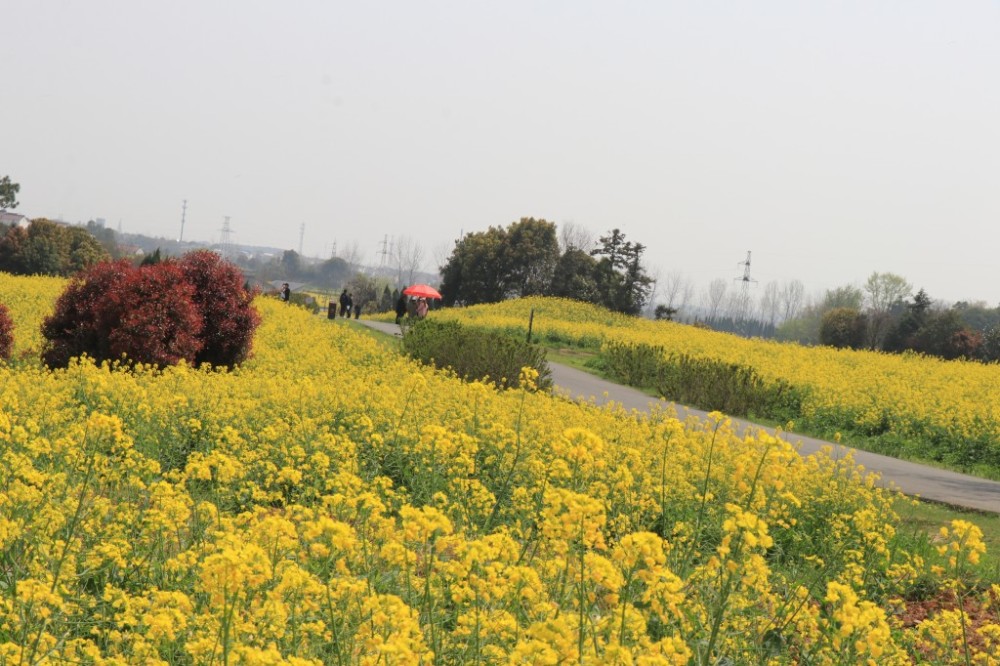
917	480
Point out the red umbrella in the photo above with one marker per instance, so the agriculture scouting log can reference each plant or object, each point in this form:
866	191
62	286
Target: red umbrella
424	290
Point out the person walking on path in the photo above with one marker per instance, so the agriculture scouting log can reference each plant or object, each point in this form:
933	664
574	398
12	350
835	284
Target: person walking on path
400	307
343	303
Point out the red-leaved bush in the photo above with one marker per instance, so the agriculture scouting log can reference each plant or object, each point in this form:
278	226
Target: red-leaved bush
154	314
84	315
156	320
228	317
6	333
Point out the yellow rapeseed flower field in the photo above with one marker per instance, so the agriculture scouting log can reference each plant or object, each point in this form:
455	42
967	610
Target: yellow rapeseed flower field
923	406
331	502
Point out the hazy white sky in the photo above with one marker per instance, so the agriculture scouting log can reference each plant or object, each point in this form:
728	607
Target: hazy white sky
832	139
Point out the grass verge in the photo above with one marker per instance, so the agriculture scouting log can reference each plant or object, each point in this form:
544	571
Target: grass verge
924	519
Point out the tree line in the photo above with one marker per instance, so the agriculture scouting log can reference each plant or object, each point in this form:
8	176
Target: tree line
883	314
50	248
533	257
886	315
526	259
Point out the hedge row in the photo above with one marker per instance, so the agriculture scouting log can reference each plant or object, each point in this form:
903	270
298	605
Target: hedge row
473	353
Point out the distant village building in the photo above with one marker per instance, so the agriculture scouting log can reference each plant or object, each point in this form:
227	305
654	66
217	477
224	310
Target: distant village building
13	219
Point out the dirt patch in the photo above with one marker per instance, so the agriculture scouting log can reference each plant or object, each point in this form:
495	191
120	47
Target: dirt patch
980	608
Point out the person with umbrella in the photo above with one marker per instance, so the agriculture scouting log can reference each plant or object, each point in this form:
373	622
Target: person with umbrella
421	307
418	290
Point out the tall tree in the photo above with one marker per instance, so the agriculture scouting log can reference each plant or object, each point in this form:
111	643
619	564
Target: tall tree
408	255
82	250
805	325
364	292
532	252
48	248
943	334
291	263
770	305
12	242
489	266
792	294
842	327
475	271
622	281
574	276
902	333
572	236
977	315
847	296
333	272
883	291
386	301
991	343
45	252
106	237
714	297
8	193
351	253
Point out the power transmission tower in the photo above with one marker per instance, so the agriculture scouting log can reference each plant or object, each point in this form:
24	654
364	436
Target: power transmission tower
746	270
385	251
184	208
225	234
743	306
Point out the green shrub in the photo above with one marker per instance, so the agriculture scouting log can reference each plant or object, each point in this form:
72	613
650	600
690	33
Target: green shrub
708	384
473	353
306	301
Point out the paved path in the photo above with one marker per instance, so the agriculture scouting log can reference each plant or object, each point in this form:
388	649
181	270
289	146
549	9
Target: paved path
913	479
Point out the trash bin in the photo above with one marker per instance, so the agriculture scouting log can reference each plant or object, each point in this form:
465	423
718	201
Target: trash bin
331	310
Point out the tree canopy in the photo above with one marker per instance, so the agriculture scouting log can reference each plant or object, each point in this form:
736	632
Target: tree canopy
499	263
622	283
48	248
8	193
523	259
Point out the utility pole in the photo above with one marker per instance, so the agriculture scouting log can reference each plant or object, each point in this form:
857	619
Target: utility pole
184	208
302	235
